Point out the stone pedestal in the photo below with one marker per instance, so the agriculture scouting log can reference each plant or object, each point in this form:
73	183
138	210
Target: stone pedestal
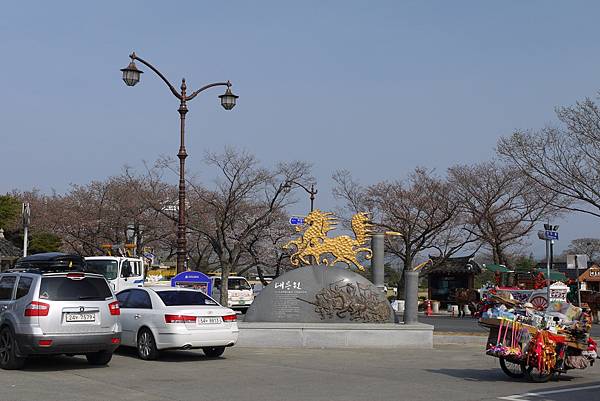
321	294
327	307
336	335
377	266
411	293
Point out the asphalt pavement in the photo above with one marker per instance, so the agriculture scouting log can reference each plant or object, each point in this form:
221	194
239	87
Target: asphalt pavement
446	373
449	324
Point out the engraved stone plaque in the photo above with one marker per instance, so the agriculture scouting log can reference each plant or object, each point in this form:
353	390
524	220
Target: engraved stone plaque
321	294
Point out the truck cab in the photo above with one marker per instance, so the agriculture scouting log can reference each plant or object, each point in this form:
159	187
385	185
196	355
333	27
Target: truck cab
121	272
239	295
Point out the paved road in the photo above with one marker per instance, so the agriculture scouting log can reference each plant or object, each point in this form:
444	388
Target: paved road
469	325
457	373
567	393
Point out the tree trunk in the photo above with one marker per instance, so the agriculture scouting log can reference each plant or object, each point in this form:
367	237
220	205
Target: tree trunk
499	254
407	265
225	271
261	277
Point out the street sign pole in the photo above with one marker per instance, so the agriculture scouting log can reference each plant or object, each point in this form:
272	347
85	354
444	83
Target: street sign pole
573	263
548	270
26	213
549	234
577	280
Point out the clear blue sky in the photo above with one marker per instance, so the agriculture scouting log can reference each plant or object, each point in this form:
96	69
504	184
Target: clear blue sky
374	87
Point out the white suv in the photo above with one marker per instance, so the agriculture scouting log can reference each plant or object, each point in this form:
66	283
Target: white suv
56	313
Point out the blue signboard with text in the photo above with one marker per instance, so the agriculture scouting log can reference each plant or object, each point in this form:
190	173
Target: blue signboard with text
296	220
551	235
195	280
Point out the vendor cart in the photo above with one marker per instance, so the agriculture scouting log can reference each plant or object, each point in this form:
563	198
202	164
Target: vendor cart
524	350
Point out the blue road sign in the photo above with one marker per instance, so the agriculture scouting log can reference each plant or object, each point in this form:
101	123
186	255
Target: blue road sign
551	235
295	220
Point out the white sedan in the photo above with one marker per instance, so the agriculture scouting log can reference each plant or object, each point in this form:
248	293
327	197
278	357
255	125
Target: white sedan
160	318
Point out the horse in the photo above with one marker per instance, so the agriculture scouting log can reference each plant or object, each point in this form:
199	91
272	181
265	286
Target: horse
592	299
466	296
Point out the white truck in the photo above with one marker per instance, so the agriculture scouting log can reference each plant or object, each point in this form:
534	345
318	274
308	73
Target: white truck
121	272
239	295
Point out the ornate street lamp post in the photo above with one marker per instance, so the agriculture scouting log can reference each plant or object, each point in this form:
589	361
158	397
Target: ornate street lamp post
312	191
131	76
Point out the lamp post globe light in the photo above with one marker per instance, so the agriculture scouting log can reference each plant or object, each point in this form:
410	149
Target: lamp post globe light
131	76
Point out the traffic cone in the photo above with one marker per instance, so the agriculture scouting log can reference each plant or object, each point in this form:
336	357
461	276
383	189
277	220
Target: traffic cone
428	312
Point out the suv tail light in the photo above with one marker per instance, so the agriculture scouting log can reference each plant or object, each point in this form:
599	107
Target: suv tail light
76	276
36	308
114	308
230	318
180	319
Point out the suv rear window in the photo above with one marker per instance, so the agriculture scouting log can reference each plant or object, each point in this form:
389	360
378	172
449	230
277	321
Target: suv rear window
181	298
67	289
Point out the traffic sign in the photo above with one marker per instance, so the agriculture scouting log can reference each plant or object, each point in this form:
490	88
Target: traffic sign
551	235
296	220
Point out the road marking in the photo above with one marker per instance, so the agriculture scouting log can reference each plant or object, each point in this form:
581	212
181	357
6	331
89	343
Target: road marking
519	397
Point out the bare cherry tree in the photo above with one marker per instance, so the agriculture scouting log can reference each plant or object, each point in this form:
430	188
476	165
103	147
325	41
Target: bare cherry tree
420	207
501	204
266	247
563	159
162	198
585	246
243	202
101	212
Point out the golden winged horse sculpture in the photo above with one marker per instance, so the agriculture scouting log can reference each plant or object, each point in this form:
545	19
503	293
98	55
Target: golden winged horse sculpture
315	243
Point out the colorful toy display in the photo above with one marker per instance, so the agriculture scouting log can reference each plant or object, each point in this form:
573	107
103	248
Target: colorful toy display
538	344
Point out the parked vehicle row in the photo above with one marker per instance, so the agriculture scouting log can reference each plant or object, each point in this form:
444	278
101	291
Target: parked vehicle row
126	272
51	304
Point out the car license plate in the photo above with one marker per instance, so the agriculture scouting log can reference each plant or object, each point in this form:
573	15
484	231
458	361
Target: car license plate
242	302
208	320
81	317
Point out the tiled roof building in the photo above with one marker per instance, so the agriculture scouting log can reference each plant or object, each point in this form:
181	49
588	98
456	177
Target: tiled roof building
8	252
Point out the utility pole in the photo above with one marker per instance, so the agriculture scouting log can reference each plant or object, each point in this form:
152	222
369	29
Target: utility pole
549	234
26	214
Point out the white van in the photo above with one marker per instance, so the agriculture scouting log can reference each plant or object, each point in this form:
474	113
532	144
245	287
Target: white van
240	294
120	272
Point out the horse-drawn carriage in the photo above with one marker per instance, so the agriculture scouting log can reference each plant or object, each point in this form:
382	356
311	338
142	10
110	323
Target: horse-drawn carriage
538	298
478	300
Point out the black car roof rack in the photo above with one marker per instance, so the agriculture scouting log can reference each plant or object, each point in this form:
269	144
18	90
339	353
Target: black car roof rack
52	262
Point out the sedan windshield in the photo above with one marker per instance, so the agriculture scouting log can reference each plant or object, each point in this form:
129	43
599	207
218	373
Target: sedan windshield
184	298
107	267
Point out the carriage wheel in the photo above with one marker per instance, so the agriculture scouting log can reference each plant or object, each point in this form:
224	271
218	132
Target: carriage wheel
512	369
539	302
538	376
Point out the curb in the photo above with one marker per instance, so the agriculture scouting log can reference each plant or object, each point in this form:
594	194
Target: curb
459	339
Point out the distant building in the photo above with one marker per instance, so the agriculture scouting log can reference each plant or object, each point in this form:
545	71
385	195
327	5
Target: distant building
590	278
562	268
444	276
8	252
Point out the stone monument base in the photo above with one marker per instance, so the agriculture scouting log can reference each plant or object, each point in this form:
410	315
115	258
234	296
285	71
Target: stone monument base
334	335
